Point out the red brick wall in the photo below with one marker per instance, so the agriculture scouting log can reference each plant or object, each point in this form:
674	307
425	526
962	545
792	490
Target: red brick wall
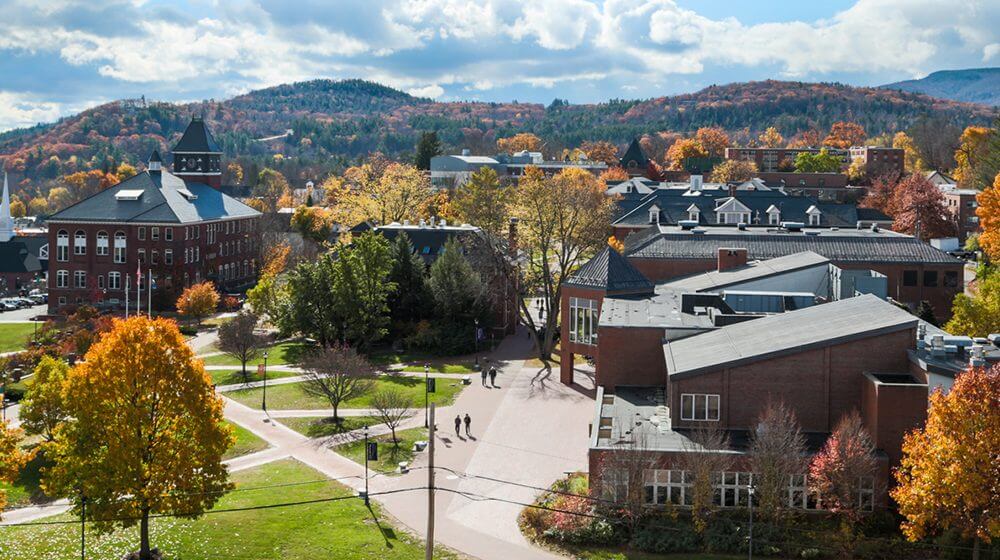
730	258
630	356
890	411
659	270
820	385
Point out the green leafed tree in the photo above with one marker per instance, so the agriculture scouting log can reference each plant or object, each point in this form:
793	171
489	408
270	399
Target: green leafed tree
428	147
43	408
411	299
820	162
362	288
457	288
483	202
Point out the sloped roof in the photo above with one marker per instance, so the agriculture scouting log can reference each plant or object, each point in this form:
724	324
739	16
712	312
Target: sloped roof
197	138
634	153
161	202
788	333
20	255
715	280
839	246
612	272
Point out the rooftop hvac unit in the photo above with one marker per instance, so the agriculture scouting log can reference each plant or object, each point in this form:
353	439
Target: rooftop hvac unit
793	226
687	224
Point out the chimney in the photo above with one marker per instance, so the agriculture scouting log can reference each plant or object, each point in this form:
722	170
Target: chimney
466	152
512	236
732	190
730	258
432	221
695	183
155	164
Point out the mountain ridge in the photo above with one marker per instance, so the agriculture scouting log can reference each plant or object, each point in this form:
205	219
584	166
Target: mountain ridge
974	85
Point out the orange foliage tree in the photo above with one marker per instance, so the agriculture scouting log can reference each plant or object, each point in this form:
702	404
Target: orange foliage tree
683	149
146	432
846	459
844	134
12	459
950	470
614	175
771	138
198	301
989	219
714	140
601	151
524	141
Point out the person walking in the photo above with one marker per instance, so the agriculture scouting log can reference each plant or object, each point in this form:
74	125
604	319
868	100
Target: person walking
468	425
493	376
458	424
483	373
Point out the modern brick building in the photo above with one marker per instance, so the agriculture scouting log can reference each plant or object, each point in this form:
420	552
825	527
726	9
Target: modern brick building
771	160
962	204
879	161
175	226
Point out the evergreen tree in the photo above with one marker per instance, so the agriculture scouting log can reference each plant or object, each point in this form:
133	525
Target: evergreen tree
411	300
457	289
925	311
428	147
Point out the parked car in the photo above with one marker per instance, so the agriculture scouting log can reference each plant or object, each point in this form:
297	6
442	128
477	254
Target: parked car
6	305
39	299
24	302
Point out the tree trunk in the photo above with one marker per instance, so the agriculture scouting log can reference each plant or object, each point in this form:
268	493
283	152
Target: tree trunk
335	417
975	548
246	378
144	536
395	442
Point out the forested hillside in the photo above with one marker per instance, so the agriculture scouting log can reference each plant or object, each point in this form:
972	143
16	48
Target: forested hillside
975	85
335	123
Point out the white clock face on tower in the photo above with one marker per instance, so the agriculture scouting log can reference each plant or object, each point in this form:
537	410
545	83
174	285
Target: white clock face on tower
190	163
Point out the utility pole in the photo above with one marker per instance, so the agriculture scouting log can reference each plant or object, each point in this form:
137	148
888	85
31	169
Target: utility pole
83	528
429	550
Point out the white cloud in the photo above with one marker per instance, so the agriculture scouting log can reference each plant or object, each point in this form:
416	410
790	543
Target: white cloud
432	91
19	110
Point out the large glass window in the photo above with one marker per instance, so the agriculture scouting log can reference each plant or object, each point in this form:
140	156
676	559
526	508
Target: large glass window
62	246
62	279
699	407
102	243
909	277
119	247
114	280
80	243
583	320
79	279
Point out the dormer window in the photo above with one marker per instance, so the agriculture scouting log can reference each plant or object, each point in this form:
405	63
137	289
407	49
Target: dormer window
654	214
694	213
814	215
773	215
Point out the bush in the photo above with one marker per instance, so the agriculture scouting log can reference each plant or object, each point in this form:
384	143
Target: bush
661	534
188	330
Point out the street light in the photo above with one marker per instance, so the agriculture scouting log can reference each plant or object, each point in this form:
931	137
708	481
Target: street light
750	503
367	453
263	401
427	371
475	335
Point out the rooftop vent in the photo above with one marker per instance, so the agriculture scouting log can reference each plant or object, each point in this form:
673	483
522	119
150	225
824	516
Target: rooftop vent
812	233
741	226
128	194
687	224
793	226
187	194
466	152
875	228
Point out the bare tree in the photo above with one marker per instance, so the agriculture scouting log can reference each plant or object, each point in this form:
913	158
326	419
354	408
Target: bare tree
706	455
392	406
623	471
239	339
777	453
338	373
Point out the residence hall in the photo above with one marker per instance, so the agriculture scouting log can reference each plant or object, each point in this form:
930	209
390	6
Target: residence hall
175	226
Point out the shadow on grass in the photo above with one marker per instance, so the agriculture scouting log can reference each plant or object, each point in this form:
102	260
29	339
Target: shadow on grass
388	534
30	478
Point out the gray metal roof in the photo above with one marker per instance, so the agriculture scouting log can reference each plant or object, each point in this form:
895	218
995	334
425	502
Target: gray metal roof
610	271
789	333
160	202
197	138
845	245
755	270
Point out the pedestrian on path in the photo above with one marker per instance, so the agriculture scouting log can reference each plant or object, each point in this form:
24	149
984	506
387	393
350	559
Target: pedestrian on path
468	425
493	376
458	424
483	374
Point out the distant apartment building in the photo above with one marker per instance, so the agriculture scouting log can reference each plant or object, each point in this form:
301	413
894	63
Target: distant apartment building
879	161
962	204
449	171
772	160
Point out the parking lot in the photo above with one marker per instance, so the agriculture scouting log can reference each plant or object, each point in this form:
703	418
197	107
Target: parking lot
22	315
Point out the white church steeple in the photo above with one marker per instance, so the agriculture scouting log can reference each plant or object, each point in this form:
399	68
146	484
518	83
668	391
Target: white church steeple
6	221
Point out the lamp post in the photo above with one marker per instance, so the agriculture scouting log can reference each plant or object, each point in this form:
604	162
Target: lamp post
427	371
475	335
750	536
366	466
263	401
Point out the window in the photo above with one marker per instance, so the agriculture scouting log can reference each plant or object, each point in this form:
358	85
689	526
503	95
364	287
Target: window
909	277
79	278
100	282
773	218
950	279
168	234
62	300
972	219
156	257
197	232
930	278
142	255
154	233
187	233
733	489
119	247
114	280
168	256
814	219
699	407
582	320
62	246
102	243
866	493
654	215
80	243
197	254
62	279
664	487
142	234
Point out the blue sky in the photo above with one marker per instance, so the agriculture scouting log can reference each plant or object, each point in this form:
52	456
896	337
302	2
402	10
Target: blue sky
60	56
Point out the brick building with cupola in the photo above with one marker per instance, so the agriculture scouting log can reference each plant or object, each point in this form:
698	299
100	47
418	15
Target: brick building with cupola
175	227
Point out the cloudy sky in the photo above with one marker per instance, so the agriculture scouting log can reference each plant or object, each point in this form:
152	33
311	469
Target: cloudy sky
60	56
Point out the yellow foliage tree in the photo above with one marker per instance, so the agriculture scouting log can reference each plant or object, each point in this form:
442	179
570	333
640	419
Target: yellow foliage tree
382	195
43	408
59	198
844	134
912	161
978	313
124	171
17	208
524	141
734	170
616	244
771	138
37	206
714	140
601	151
198	301
482	201
973	148
146	435
614	174
683	149
988	211
950	468
12	458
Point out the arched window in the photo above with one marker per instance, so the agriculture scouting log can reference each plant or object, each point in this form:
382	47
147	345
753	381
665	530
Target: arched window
119	247
102	243
80	242
62	245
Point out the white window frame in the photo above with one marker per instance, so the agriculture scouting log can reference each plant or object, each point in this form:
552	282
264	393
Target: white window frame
168	234
154	233
583	320
114	280
62	279
142	233
80	242
814	219
693	413
102	243
62	246
120	247
773	218
80	279
168	256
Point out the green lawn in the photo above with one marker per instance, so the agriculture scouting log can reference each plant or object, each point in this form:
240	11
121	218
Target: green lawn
291	396
14	336
444	368
343	529
26	490
227	377
324	426
389	455
246	442
281	354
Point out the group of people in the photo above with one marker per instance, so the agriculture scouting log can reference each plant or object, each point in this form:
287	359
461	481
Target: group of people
490	372
458	425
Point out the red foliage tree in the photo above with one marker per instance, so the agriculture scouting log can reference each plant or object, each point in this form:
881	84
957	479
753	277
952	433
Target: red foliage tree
918	208
846	461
